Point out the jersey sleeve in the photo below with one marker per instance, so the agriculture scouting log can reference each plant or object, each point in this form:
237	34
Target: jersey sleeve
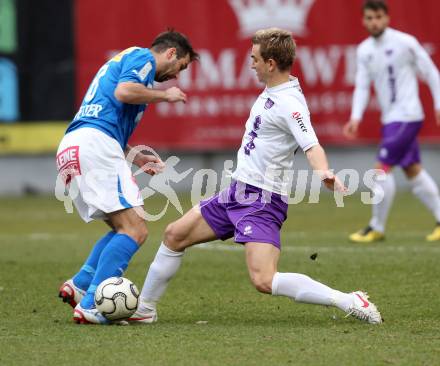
426	69
137	67
362	87
297	118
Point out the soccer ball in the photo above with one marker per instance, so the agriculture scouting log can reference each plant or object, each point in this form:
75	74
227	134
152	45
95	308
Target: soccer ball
116	298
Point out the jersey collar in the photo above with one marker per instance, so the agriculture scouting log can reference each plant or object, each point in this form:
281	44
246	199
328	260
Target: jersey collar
292	83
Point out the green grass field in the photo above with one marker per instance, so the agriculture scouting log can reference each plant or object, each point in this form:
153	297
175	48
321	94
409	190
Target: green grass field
41	246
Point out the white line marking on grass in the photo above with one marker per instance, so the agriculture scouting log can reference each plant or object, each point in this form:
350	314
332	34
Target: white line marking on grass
356	248
40	236
337	234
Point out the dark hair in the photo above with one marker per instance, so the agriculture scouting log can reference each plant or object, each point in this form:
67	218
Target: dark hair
375	5
276	44
173	39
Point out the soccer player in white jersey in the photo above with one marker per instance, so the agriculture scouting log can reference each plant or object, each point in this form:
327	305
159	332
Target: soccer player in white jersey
254	207
392	59
91	156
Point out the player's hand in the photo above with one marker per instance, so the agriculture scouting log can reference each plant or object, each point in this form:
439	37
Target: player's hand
437	117
350	129
332	182
150	164
174	94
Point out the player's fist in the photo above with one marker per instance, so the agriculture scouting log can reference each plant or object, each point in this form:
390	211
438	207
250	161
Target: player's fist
150	164
350	129
174	94
332	182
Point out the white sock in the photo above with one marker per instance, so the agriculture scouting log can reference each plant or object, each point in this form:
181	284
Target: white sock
162	269
302	288
426	190
386	188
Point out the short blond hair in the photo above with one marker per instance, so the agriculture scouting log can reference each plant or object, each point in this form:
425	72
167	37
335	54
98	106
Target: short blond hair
278	45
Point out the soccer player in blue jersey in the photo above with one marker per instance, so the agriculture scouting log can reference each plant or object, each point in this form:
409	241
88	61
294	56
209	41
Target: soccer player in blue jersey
91	156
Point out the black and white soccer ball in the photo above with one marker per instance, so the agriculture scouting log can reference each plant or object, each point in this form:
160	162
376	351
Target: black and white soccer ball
116	298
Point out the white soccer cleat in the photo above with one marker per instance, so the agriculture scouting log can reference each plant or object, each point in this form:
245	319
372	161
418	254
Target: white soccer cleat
71	294
363	309
147	317
88	316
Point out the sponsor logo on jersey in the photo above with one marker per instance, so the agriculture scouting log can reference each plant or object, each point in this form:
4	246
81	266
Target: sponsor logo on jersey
299	119
89	110
68	163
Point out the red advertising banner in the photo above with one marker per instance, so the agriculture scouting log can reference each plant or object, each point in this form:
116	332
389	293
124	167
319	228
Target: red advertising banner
222	87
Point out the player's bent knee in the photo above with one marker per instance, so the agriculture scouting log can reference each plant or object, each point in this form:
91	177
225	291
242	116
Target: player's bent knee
138	233
262	283
143	234
175	237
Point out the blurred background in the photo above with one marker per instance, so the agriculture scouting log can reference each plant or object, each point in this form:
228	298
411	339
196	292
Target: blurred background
51	49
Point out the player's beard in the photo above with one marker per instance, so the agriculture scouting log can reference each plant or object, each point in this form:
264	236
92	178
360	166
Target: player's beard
162	77
166	74
376	33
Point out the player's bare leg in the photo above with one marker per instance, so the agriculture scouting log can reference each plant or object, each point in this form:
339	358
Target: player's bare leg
426	190
384	186
262	260
262	263
188	230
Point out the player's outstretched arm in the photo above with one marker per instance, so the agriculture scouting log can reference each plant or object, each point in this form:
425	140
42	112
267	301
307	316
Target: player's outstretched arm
136	93
318	161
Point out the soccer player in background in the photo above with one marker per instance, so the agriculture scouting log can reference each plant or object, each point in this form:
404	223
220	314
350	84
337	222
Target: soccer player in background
391	59
254	207
91	155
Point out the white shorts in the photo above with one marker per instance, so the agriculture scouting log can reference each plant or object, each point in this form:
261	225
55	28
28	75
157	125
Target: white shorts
92	167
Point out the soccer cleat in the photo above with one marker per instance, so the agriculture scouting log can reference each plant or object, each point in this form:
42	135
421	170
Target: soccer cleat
88	316
363	309
70	293
367	235
92	316
435	235
147	317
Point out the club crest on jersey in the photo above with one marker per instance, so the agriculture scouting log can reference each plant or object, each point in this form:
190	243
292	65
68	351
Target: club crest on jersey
269	103
298	117
389	52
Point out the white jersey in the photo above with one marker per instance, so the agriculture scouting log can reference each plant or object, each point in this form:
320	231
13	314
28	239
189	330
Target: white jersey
279	123
392	62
